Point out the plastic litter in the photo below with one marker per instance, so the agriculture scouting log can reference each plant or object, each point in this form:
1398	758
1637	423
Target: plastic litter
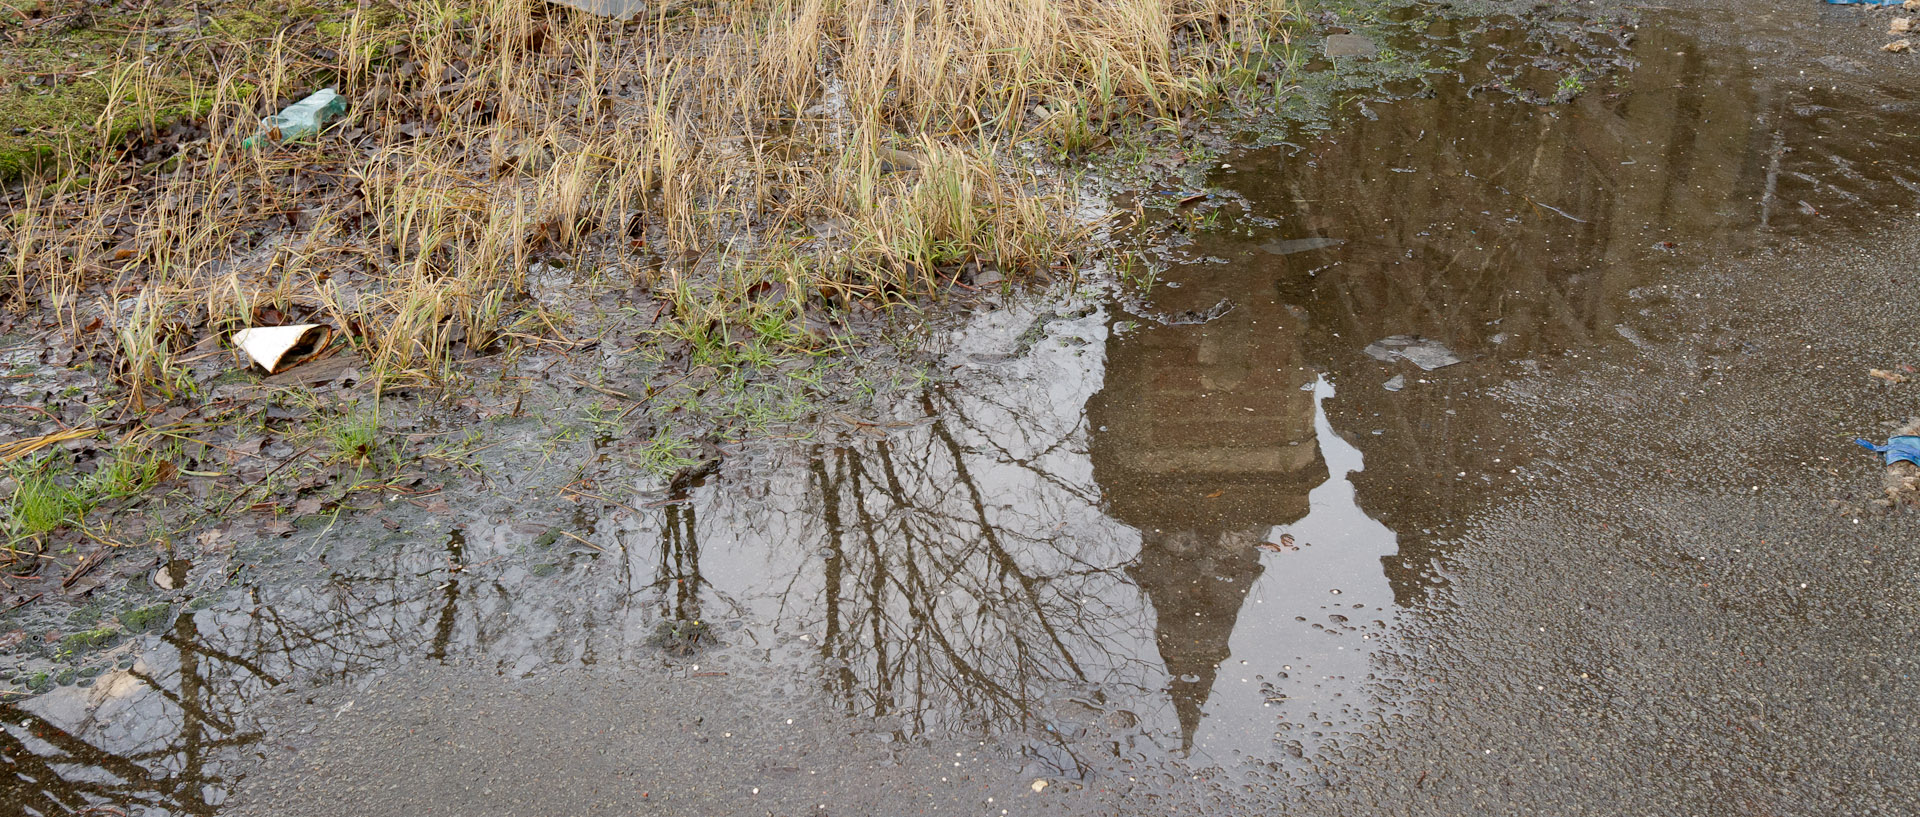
269	346
1427	354
1395	383
300	120
621	10
1904	447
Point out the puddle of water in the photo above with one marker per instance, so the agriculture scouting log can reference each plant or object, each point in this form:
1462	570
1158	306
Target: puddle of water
1119	537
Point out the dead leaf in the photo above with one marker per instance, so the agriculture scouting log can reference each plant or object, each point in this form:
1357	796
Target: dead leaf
1897	46
1216	494
1890	377
1900	25
308	506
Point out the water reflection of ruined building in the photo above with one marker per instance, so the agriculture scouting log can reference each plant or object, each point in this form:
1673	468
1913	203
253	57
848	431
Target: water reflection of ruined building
1203	440
1467	216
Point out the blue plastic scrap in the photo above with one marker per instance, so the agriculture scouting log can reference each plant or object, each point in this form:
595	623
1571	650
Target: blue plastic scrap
1904	447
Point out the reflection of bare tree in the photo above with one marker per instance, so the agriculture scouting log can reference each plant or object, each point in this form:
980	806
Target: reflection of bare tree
958	590
678	576
51	768
450	595
158	734
924	601
49	771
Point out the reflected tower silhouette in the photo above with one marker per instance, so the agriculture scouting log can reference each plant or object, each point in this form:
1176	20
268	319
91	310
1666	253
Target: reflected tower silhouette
1203	439
1511	253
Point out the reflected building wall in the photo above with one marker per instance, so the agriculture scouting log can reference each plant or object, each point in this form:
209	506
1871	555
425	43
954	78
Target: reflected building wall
1467	216
1203	440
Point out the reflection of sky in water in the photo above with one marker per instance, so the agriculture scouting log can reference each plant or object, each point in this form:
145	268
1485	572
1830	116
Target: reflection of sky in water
959	564
959	571
1308	676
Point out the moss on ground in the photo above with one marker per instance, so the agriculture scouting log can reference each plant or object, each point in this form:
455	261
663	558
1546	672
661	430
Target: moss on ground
81	642
145	619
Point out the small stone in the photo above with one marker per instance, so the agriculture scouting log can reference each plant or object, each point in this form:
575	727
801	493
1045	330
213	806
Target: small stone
1842	64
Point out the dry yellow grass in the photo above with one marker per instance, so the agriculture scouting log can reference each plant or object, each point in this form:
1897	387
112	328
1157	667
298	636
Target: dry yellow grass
846	149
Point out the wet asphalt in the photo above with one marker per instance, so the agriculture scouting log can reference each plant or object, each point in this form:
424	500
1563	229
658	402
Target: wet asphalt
1679	601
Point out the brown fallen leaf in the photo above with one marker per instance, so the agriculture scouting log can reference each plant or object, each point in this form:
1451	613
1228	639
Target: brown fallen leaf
1900	25
1216	494
1890	377
1897	46
307	506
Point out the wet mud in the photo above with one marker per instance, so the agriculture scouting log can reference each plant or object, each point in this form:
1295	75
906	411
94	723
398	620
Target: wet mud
1125	537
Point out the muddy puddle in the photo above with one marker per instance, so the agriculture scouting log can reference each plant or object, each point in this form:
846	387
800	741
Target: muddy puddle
1193	522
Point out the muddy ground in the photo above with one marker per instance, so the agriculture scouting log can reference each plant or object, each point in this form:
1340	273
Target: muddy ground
1114	548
